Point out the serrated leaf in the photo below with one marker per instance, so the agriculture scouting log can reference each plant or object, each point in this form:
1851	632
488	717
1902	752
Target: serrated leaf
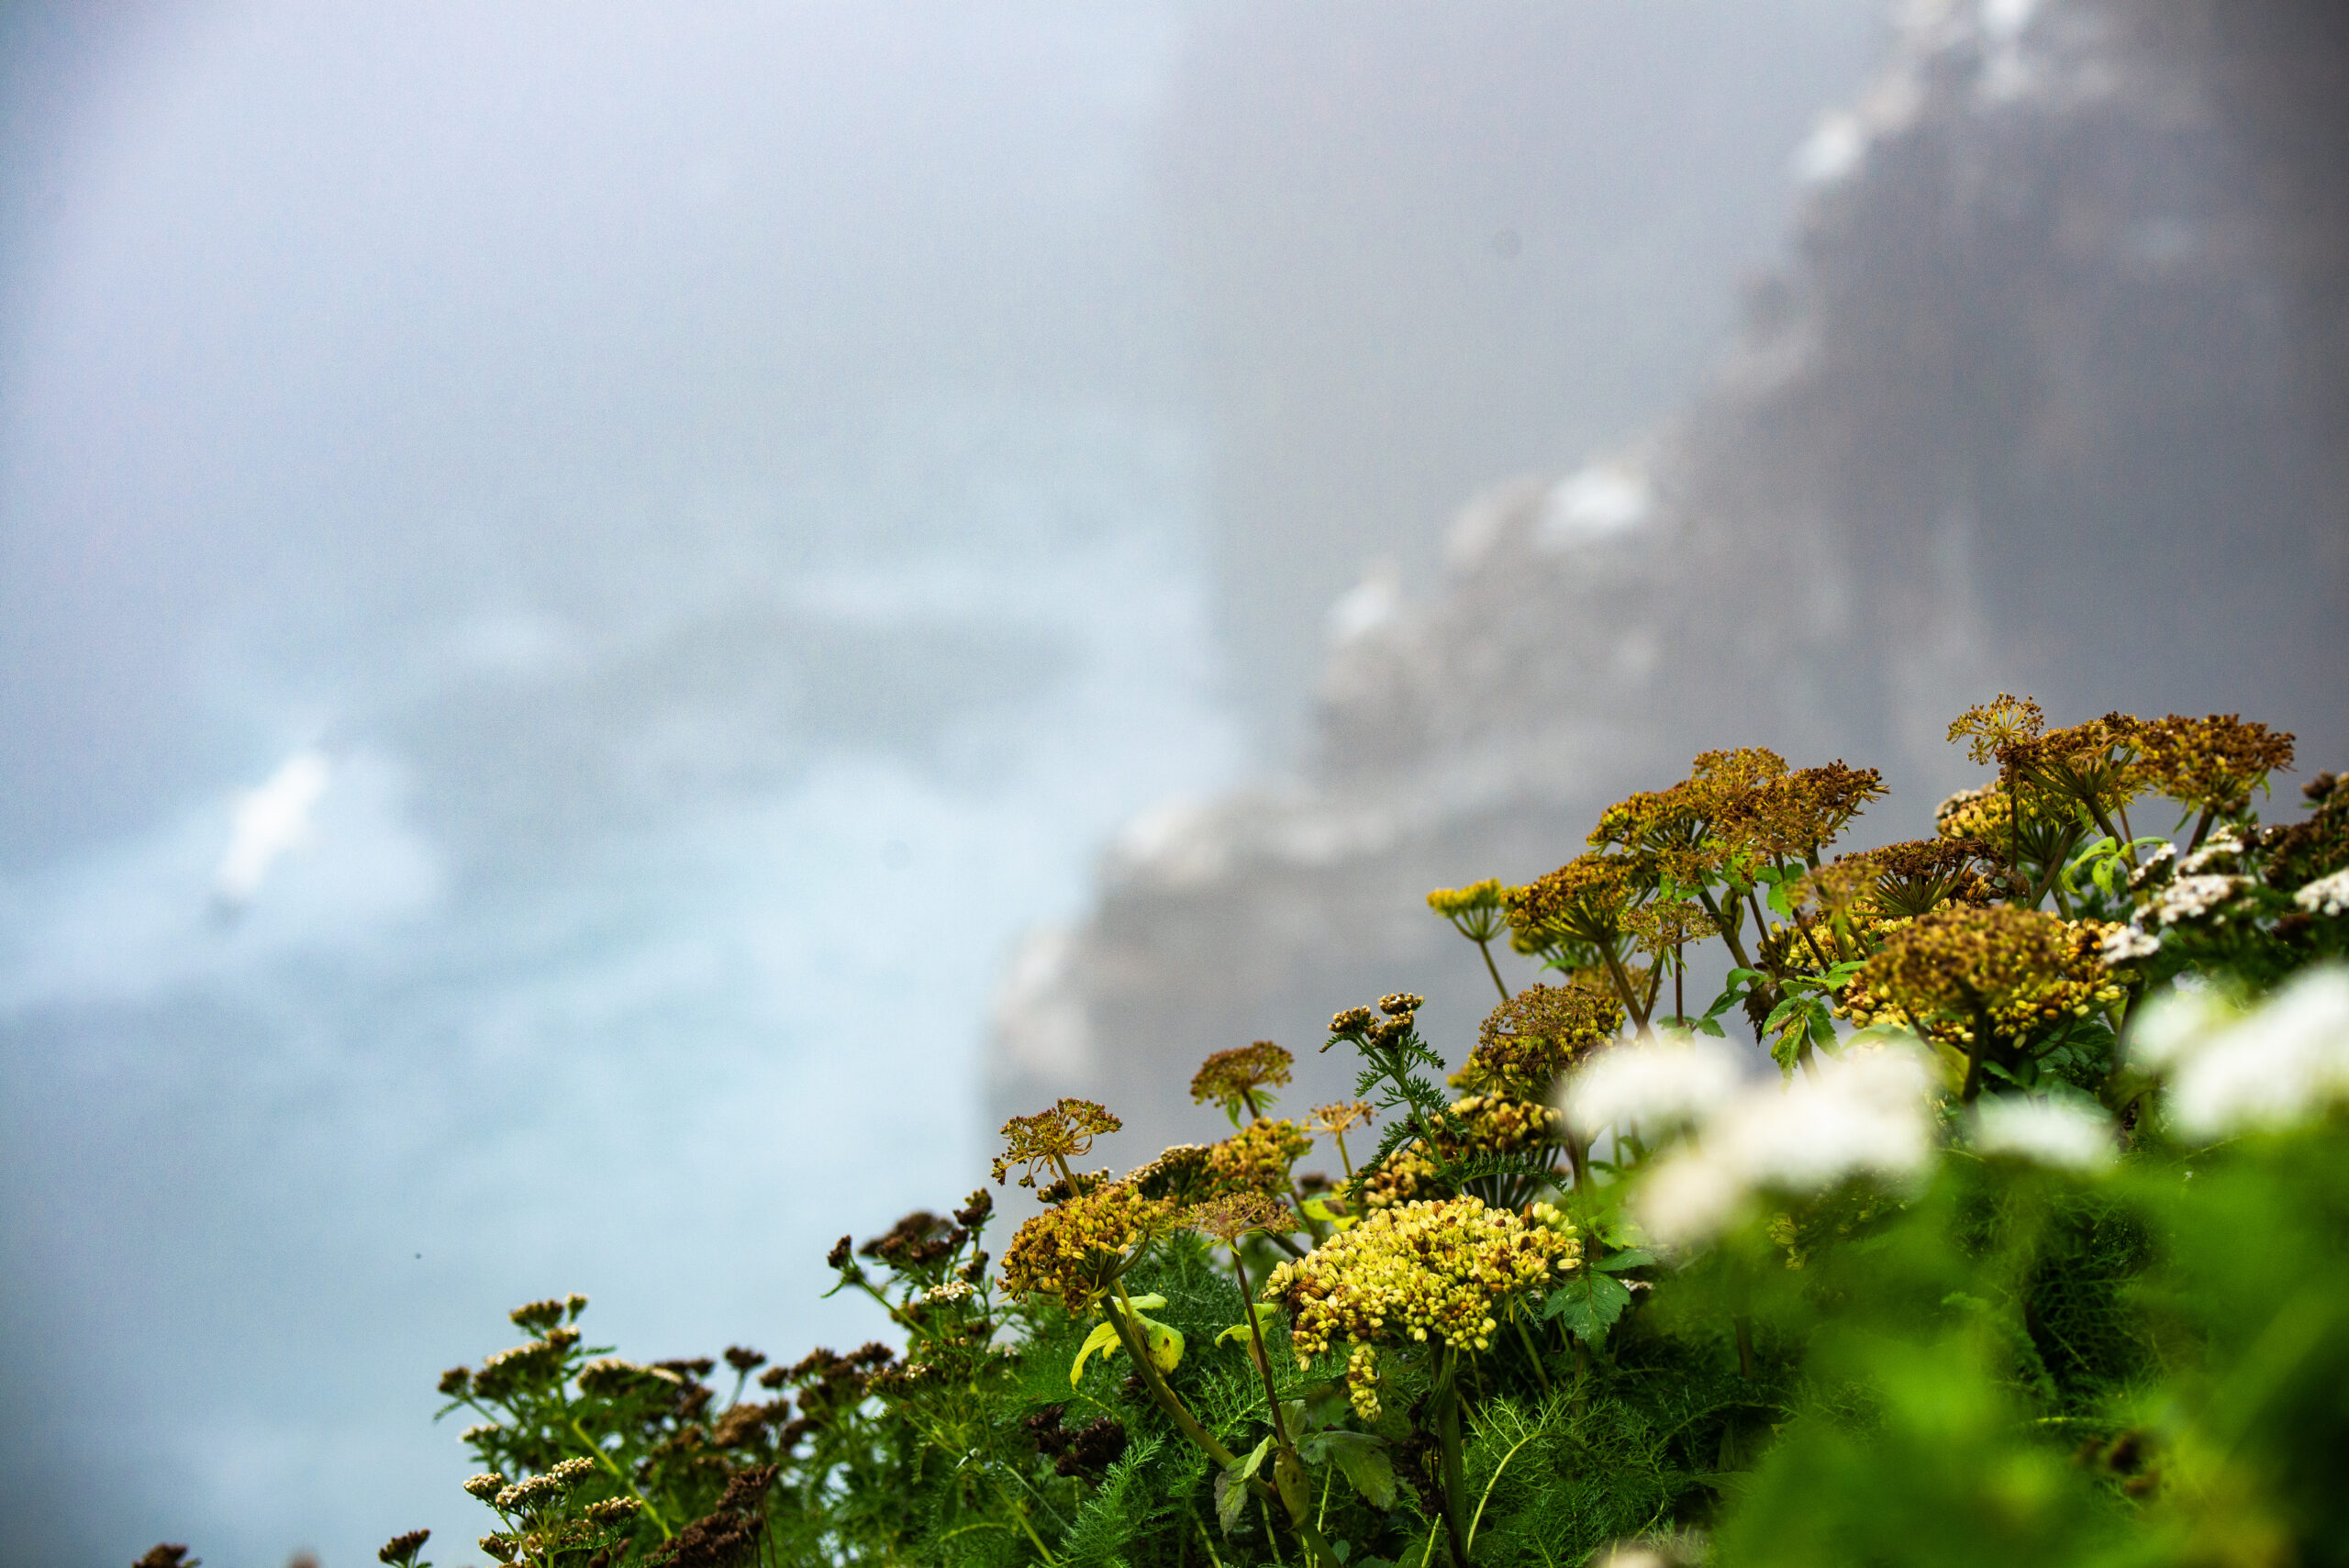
1779	1014
1589	1305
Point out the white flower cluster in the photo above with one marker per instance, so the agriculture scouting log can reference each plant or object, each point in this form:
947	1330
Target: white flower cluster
2064	1134
1653	1088
1863	1112
953	1290
2221	845
2233	1071
2328	895
2126	944
2191	897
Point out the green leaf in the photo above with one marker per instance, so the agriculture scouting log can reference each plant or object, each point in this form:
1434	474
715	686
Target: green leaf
1589	1305
1232	1486
1103	1338
1362	1460
1629	1258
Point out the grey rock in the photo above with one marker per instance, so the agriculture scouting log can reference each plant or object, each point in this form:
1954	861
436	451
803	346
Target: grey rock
2055	398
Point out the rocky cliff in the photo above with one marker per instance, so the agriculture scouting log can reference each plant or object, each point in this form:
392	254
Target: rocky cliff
2054	396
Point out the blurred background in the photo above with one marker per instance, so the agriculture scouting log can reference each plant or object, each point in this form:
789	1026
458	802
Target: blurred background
618	624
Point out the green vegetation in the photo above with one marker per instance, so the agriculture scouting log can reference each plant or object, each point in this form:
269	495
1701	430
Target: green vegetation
2034	1250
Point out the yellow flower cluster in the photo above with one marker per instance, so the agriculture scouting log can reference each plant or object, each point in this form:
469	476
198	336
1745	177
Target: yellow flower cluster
1526	1042
1482	1124
2022	970
1256	1158
1077	1250
1438	1270
1474	910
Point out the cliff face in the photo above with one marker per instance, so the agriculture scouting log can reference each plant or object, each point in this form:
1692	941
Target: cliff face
2055	398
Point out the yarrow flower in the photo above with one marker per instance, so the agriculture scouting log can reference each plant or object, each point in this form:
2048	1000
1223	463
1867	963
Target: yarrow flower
2059	1133
1864	1113
1440	1270
2326	896
2189	897
2275	1065
1651	1088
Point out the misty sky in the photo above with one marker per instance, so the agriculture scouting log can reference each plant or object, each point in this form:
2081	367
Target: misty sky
572	577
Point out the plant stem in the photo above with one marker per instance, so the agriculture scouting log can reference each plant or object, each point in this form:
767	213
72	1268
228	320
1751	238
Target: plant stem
1484	946
1446	1411
621	1477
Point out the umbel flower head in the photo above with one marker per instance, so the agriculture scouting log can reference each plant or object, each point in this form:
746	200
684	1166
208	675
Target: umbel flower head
1679	827
1905	880
2212	764
1441	1271
2017	970
1475	910
2093	765
1526	1042
1236	1080
1586	900
1054	1137
1799	814
1077	1250
1472	1125
1255	1159
1997	725
1234	1215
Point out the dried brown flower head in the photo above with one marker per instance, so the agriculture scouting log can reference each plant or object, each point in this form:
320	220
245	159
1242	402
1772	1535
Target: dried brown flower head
1178	1173
2092	765
401	1550
1236	1079
1797	815
2212	764
1052	1137
1904	880
1957	969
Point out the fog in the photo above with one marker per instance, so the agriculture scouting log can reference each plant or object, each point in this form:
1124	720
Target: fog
573	577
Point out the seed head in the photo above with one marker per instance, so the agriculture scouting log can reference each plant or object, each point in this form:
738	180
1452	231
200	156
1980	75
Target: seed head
1059	1134
1234	1079
401	1550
